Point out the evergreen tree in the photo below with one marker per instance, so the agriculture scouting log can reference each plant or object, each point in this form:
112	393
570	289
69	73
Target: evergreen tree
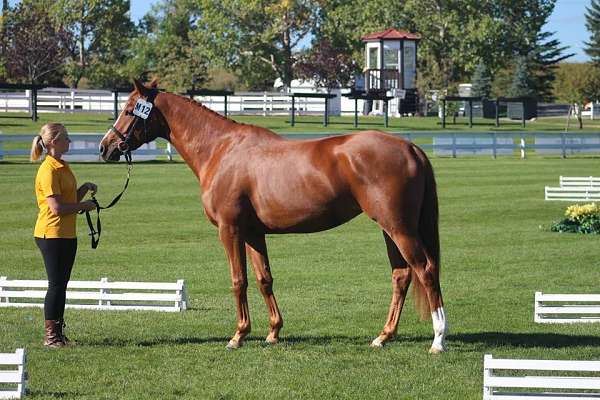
592	23
481	81
522	84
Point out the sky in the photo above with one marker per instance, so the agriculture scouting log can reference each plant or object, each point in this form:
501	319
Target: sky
567	20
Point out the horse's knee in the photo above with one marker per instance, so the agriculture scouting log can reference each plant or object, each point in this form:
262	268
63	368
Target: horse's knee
401	277
265	283
239	286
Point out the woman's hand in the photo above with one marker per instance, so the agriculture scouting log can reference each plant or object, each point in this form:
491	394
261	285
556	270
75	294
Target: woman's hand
91	187
88	205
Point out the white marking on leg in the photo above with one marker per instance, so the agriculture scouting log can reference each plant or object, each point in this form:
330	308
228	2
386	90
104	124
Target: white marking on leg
440	328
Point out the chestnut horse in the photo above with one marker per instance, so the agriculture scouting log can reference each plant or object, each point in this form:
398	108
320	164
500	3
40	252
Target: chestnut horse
254	183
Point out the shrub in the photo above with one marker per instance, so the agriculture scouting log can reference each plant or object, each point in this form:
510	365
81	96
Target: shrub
580	219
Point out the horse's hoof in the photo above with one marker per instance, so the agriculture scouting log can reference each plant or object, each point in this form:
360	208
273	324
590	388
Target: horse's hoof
233	344
378	342
437	349
271	340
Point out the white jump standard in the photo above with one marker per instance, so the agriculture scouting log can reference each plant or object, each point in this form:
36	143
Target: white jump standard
566	308
574	188
559	380
99	295
14	376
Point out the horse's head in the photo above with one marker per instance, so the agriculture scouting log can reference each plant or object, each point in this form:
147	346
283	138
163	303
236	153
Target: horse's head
139	122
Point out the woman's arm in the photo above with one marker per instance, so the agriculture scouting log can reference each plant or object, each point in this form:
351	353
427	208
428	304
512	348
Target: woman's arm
58	207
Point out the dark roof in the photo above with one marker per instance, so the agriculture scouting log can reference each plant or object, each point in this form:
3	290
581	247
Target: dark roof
391	34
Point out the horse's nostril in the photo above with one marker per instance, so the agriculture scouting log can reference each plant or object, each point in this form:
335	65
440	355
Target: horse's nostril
101	149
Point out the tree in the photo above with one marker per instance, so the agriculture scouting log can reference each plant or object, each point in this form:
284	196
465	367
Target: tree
237	33
481	81
167	48
523	24
327	66
576	85
101	31
522	84
592	23
33	48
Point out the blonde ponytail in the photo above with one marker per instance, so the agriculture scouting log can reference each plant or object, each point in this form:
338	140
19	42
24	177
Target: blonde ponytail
47	133
36	148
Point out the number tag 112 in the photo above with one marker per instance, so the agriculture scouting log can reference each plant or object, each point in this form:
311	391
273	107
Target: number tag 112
142	108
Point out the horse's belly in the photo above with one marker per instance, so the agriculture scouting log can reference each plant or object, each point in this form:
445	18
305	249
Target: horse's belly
304	220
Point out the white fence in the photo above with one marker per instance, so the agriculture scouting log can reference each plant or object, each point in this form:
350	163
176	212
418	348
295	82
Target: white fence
243	103
566	308
574	188
457	144
84	147
561	380
12	375
578	181
99	295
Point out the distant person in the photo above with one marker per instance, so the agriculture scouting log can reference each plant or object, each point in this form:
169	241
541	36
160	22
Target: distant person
59	201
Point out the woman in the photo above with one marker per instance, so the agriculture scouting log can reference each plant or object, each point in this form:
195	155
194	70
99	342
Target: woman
59	201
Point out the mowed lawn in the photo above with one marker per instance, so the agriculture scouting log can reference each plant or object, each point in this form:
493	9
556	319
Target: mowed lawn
333	289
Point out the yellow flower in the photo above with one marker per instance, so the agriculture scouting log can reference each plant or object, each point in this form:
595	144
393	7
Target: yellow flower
576	212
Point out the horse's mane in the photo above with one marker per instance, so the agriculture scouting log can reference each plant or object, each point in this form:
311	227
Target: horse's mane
196	103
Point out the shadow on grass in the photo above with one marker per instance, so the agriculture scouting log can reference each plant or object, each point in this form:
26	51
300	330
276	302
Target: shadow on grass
159	341
53	395
487	339
548	340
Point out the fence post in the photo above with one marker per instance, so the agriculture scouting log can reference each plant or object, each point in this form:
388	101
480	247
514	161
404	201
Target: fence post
522	145
494	143
73	101
265	105
104	291
169	151
453	145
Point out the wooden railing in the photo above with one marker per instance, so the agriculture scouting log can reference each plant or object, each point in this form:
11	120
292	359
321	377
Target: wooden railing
382	80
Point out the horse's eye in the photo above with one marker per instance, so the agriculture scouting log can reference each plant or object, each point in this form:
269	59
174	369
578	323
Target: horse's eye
127	112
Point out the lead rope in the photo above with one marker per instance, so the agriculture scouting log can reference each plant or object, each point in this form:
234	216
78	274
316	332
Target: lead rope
97	230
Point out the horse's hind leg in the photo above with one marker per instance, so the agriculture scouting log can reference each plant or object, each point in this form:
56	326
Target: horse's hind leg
401	277
257	249
428	285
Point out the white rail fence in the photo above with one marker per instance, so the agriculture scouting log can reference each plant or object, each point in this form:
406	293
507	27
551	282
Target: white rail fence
12	375
99	295
242	103
85	146
566	308
579	181
574	188
561	379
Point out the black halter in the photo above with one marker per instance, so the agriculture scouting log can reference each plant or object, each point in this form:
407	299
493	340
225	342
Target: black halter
125	139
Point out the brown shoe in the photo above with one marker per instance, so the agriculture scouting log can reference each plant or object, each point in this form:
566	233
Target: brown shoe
64	337
53	336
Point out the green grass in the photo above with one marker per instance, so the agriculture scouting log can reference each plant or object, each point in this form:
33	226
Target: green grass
333	289
11	123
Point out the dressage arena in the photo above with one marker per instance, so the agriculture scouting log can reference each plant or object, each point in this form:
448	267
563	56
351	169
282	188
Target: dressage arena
333	290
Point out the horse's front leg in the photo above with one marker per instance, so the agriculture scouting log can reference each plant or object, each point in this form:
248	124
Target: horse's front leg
234	247
257	249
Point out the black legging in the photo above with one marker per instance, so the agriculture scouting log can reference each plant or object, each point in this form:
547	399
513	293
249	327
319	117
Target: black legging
59	255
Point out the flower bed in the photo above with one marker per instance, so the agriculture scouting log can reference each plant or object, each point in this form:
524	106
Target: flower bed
580	219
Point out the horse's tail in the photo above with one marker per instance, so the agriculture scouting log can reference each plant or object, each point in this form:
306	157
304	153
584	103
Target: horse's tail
429	234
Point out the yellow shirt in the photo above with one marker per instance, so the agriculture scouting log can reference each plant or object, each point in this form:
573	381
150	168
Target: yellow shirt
55	177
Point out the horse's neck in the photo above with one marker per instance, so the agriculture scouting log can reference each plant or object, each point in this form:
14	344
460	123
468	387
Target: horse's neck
196	132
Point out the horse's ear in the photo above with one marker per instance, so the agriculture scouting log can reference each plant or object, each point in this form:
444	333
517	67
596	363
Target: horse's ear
154	83
139	87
